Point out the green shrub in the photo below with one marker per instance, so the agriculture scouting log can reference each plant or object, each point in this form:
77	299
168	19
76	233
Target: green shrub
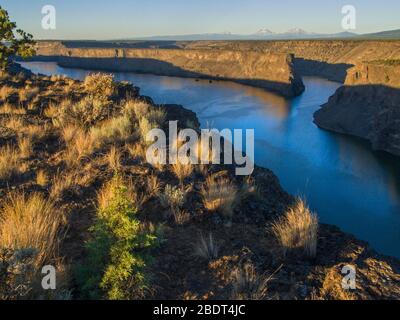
84	113
118	250
100	85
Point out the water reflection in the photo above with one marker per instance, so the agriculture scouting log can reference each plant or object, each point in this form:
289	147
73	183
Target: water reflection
342	179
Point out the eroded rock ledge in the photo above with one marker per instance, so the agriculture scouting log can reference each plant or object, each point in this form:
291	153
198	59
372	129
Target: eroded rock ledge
367	106
271	71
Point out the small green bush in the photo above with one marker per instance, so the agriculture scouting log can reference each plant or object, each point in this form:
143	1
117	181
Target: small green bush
118	250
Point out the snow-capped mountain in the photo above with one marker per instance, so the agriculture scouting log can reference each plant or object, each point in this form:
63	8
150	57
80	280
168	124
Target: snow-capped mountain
264	32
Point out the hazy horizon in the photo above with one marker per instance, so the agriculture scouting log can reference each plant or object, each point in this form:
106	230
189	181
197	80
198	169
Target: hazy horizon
130	19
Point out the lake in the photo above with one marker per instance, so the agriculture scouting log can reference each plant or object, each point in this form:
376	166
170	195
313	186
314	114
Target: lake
342	179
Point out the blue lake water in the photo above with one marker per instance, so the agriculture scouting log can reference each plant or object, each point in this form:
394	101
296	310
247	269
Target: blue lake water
346	183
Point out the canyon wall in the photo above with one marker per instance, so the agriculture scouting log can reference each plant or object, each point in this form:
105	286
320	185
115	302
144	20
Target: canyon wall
367	106
271	71
330	59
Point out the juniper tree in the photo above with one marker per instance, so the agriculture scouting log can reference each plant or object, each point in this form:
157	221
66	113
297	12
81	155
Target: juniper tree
13	41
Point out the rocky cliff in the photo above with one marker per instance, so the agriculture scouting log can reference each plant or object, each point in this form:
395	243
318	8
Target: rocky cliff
330	59
367	106
272	71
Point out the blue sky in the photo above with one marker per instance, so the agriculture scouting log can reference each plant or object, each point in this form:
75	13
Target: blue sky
101	19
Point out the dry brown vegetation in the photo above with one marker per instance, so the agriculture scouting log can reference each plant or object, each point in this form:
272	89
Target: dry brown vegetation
31	222
9	162
219	194
298	229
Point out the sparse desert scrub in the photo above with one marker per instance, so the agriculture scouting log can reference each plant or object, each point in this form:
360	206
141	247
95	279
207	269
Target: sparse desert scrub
182	171
7	108
42	178
36	133
206	247
6	91
14	123
25	147
181	216
100	84
116	262
80	146
27	93
219	194
153	185
51	111
9	162
154	119
248	285
136	108
145	126
114	158
64	181
31	222
84	113
156	116
17	273
113	130
137	151
298	229
172	196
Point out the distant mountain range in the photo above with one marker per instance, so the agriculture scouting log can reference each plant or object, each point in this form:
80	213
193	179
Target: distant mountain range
267	34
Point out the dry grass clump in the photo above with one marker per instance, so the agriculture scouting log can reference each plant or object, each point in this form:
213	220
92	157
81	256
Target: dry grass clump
100	84
7	108
62	182
25	147
137	151
182	171
14	123
298	229
156	116
42	179
153	185
248	285
172	196
145	126
36	133
113	130
181	216
114	158
206	248
136	109
27	93
31	222
153	119
219	194
79	145
6	91
51	111
9	162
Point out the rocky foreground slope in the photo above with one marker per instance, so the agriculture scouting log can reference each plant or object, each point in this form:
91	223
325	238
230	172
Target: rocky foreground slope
54	147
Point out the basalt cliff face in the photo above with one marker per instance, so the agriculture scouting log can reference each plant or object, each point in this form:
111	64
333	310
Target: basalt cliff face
271	71
367	106
330	59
